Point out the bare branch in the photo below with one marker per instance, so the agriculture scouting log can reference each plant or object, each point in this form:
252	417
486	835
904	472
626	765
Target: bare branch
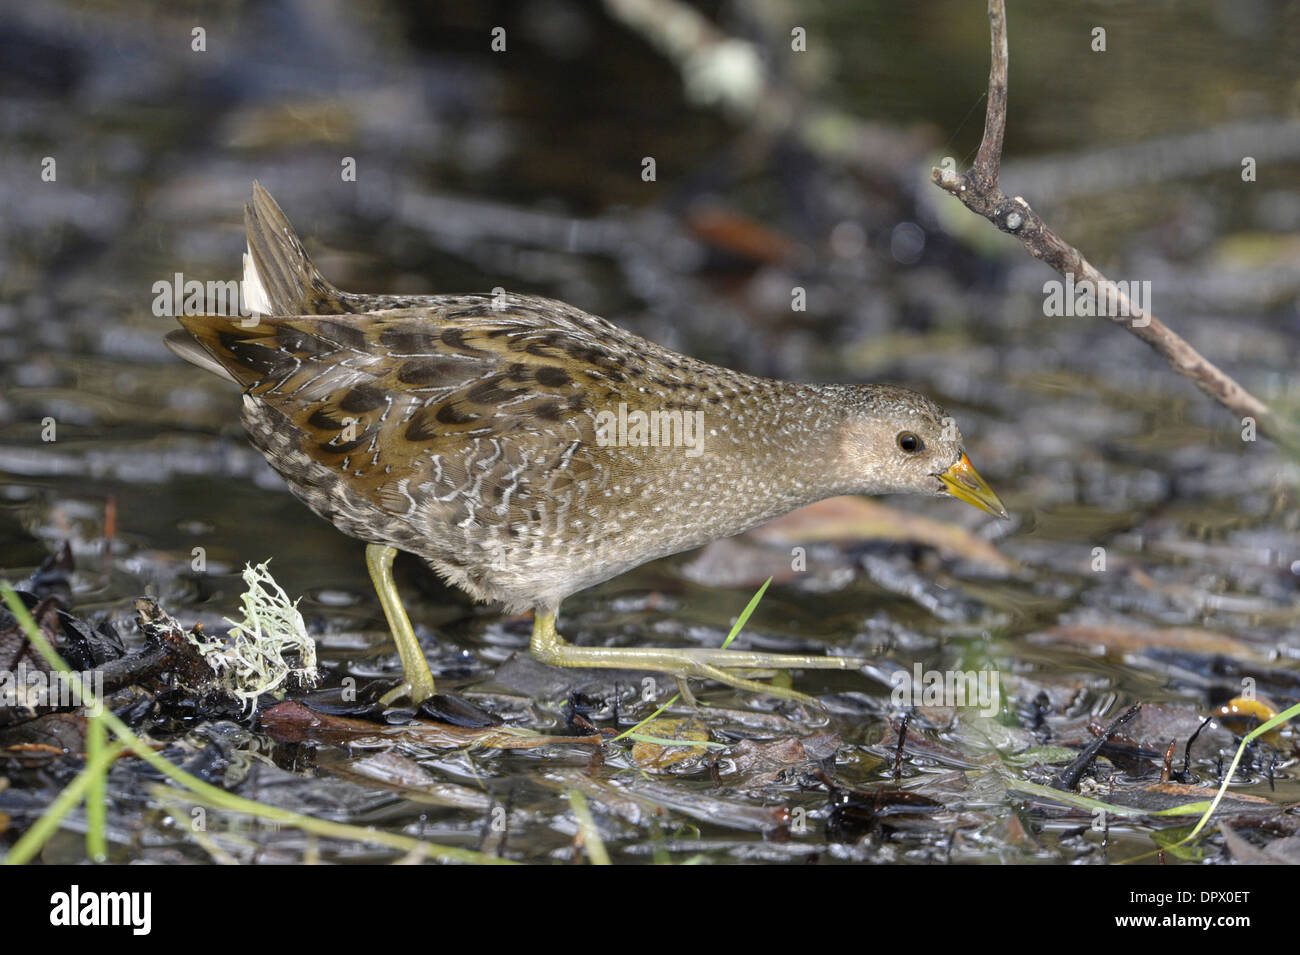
989	158
978	190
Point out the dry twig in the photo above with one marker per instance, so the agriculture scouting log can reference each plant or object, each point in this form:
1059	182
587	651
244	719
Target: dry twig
978	190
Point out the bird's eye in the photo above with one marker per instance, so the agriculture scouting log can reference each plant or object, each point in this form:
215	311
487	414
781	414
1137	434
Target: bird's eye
909	442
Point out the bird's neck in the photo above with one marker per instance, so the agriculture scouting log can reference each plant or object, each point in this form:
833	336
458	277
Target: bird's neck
772	451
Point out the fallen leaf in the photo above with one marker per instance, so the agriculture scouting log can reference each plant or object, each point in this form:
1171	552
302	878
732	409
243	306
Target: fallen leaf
52	733
1154	727
1194	793
763	763
658	756
736	234
1242	714
1284	851
856	518
293	722
1160	796
391	770
1118	639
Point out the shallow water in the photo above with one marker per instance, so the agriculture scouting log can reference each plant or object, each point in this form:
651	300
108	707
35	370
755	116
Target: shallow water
523	170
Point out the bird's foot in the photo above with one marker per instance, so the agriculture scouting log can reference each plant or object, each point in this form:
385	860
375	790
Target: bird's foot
719	665
414	691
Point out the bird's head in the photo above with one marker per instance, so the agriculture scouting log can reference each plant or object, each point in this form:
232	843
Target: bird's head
897	441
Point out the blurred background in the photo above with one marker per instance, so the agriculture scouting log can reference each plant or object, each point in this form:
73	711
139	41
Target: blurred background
775	169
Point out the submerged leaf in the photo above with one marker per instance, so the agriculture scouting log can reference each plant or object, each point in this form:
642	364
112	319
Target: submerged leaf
656	742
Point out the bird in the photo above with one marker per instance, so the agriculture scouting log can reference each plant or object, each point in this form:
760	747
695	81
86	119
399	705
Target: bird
527	450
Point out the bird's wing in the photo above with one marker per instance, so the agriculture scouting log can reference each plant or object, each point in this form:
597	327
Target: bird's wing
478	411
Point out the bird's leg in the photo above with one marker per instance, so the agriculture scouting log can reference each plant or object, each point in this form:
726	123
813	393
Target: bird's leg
418	685
549	647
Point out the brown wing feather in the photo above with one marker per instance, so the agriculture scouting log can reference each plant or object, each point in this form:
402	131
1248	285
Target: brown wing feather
473	411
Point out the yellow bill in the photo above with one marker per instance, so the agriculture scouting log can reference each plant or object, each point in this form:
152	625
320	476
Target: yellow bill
964	483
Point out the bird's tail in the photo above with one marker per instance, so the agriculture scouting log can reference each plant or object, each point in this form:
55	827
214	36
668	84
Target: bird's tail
279	281
279	278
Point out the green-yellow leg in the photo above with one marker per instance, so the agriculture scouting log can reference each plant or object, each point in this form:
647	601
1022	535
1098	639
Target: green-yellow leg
549	647
418	685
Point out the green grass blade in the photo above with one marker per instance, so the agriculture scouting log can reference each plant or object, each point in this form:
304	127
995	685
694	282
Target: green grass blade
97	792
1283	717
31	841
630	730
591	841
744	614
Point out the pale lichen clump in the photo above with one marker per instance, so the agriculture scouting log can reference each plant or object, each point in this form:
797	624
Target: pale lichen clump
255	656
